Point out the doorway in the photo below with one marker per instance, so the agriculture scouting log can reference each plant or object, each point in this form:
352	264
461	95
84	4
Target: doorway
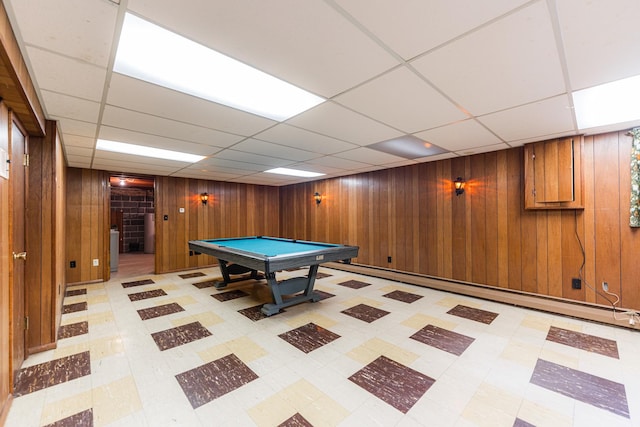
132	225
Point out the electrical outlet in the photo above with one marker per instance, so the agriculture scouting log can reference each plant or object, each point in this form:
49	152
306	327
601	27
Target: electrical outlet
576	283
96	262
605	286
72	264
388	259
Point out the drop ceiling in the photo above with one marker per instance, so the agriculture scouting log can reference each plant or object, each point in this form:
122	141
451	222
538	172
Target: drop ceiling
460	75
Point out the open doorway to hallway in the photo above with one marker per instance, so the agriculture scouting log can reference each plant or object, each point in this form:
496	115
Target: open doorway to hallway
132	224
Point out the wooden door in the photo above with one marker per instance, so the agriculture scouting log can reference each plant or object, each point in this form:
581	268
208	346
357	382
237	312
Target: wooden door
17	194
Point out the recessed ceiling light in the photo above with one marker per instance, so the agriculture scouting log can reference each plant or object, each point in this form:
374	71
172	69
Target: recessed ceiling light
607	104
294	172
155	55
141	150
407	146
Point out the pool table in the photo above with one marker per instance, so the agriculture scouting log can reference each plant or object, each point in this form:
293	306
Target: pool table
254	254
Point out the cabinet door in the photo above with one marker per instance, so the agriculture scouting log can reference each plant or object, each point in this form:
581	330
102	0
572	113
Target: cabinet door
553	176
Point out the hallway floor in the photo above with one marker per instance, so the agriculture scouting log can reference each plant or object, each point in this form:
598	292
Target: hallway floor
172	350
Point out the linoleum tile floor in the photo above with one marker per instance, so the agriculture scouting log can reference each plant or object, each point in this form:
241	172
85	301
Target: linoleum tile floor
172	350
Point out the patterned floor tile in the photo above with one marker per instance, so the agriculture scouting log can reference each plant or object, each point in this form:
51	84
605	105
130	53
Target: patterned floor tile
393	383
139	296
309	337
365	312
296	420
205	383
206	283
72	330
443	339
51	373
161	310
180	335
230	295
255	313
81	419
137	283
520	423
75	292
403	296
322	294
73	308
471	313
582	341
590	389
321	275
191	275
354	284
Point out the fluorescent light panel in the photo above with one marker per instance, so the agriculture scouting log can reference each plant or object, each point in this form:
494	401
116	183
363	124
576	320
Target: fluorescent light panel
155	55
607	104
294	172
141	150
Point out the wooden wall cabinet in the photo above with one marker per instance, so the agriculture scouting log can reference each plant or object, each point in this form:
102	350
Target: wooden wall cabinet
553	174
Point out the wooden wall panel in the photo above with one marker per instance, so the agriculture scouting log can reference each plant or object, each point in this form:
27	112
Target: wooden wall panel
485	235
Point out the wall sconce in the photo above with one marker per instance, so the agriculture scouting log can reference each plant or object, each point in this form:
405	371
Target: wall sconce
459	185
204	198
318	197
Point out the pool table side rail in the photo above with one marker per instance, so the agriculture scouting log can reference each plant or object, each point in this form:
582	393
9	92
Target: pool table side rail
275	263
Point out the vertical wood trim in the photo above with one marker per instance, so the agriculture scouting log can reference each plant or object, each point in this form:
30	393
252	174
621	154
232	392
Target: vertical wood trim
502	214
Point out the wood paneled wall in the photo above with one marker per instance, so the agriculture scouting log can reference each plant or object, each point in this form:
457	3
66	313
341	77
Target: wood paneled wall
44	273
87	225
485	236
232	210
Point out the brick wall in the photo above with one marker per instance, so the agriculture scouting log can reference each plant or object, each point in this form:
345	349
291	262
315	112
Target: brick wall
134	203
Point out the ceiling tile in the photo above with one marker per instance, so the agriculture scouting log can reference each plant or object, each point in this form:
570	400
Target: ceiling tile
402	100
367	155
241	156
338	163
154	125
539	119
510	63
596	57
460	135
420	25
70	107
79	141
78	29
485	149
303	139
75	127
274	150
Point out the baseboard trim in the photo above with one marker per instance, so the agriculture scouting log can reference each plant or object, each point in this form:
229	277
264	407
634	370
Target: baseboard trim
577	309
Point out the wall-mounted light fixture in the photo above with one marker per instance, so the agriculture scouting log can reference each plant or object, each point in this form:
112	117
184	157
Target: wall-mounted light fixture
204	198
459	185
317	197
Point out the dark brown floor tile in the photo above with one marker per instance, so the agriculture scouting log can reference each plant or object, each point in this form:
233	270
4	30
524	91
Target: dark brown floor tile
180	335
309	337
51	373
296	420
354	284
191	275
393	383
520	423
161	310
139	296
73	308
72	330
255	313
403	296
207	283
365	312
320	275
443	339
81	419
75	292
322	294
471	313
582	341
137	283
208	382
230	295
590	389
